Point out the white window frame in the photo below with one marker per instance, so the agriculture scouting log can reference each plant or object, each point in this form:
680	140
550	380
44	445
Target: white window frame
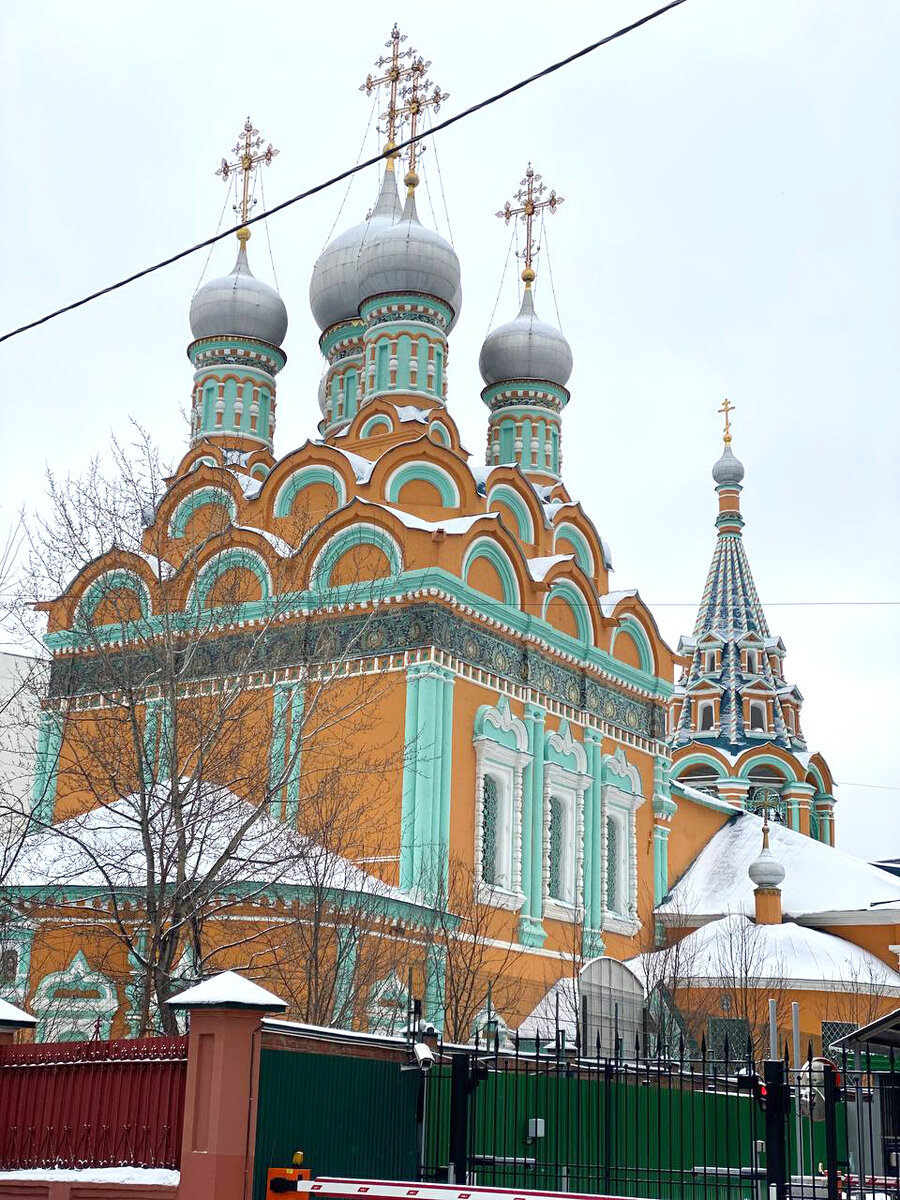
709	662
569	788
758	706
506	767
622	805
702	707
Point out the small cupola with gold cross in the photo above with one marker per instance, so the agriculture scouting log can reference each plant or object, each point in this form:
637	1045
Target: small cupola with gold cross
526	363
238	323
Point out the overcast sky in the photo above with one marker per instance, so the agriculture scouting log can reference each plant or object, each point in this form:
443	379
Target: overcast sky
730	229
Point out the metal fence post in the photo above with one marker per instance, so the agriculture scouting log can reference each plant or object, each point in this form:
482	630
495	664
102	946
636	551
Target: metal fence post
830	1095
459	1118
777	1111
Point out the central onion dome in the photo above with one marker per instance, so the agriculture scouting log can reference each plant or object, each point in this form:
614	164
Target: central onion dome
728	470
406	257
765	870
526	348
334	292
239	305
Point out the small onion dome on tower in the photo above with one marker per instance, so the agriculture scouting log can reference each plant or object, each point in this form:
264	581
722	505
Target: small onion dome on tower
729	470
239	305
408	258
334	293
526	348
765	870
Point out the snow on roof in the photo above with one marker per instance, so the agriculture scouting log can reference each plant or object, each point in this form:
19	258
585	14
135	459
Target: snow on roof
452	525
18	1017
160	567
701	797
539	567
362	467
609	601
411	412
818	878
285	549
250	485
104	849
558	1009
480	473
607	554
735	947
227	990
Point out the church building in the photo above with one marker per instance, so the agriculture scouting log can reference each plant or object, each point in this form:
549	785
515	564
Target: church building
596	790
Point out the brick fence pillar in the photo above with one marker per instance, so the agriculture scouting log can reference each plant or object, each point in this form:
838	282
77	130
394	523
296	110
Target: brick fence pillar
219	1138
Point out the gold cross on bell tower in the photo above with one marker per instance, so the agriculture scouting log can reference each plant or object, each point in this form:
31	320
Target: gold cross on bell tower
529	200
727	409
418	95
393	77
249	156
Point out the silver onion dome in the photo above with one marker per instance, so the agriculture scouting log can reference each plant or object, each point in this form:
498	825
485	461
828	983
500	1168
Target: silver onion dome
407	257
526	348
765	870
239	305
728	470
334	293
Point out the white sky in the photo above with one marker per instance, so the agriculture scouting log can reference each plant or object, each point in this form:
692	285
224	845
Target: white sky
731	184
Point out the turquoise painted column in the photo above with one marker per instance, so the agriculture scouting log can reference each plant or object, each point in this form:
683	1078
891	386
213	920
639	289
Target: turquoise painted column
347	954
164	741
531	929
151	740
664	809
292	805
46	765
284	754
280	701
425	792
592	940
436	986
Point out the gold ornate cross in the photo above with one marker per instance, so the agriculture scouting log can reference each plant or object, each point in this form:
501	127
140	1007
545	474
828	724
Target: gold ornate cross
529	199
394	76
249	156
420	93
727	409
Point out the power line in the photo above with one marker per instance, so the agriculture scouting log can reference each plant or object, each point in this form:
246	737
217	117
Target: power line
360	166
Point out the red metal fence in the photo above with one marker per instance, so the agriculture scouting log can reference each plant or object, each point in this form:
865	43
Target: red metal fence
92	1104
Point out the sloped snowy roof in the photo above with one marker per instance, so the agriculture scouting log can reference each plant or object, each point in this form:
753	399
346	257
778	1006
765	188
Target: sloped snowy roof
18	1017
558	1009
451	525
735	948
818	879
227	990
609	601
412	412
104	849
362	467
538	567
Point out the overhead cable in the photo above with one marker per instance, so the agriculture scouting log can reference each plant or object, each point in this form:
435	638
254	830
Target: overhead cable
361	166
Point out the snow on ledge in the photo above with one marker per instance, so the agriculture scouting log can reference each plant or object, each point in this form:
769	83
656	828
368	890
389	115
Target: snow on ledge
227	990
18	1017
148	1176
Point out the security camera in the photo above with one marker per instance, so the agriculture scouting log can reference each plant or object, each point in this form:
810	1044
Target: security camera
424	1056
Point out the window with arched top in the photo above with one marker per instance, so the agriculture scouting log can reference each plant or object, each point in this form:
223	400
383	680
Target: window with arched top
758	721
706	713
710	662
752	662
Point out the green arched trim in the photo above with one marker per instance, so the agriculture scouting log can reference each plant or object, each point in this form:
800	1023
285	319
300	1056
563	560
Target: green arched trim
186	508
817	775
504	494
497	556
639	636
260	471
580	545
768	760
697	760
227	560
576	601
428	473
379	421
113	581
347	539
295	483
443	433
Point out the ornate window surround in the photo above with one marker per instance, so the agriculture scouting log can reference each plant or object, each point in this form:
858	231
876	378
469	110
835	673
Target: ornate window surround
569	786
620	802
501	742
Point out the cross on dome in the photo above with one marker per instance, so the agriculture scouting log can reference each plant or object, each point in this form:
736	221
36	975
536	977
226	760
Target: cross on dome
529	195
727	409
396	77
249	157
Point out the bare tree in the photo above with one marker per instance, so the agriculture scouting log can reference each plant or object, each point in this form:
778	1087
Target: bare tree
188	771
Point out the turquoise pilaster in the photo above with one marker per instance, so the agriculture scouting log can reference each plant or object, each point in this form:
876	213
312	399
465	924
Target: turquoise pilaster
46	765
284	751
164	741
436	986
347	955
425	791
531	929
592	941
151	740
664	809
